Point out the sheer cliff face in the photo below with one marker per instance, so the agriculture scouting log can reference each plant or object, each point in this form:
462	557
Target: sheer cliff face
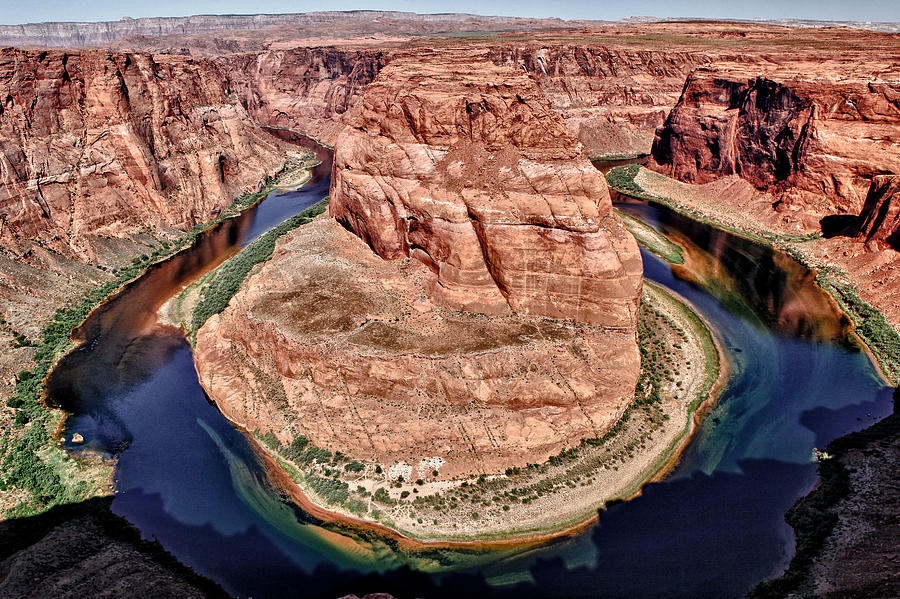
307	89
463	165
96	143
815	144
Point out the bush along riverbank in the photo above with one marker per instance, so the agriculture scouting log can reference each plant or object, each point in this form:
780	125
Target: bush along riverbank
210	294
681	370
870	324
858	474
35	472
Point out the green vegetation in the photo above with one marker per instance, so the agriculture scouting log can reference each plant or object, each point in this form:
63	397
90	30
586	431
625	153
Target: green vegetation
618	157
652	239
622	180
661	338
331	490
228	277
870	324
31	460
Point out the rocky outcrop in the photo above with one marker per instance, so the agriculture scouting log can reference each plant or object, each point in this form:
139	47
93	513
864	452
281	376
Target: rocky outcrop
813	143
879	222
108	144
462	165
475	200
332	342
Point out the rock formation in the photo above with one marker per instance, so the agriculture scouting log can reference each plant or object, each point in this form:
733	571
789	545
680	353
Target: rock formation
811	142
133	32
304	89
330	341
97	143
464	166
879	225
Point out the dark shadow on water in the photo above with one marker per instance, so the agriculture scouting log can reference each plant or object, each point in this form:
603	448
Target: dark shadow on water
698	546
829	424
74	541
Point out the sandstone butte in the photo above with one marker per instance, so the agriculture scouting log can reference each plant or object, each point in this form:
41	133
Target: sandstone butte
492	322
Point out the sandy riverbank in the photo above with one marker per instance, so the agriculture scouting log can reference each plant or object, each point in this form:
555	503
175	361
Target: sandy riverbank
862	282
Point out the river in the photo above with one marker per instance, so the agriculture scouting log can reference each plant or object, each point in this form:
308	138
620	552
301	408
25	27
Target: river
186	477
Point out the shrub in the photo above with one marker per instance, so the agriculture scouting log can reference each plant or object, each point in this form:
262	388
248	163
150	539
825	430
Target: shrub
354	466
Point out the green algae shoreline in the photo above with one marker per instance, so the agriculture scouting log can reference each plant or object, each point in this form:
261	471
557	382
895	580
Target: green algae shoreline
877	337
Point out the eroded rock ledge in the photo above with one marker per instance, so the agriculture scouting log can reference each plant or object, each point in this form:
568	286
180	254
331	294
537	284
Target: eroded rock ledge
462	165
331	342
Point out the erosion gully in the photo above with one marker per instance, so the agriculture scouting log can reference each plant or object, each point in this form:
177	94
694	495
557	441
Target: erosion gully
715	526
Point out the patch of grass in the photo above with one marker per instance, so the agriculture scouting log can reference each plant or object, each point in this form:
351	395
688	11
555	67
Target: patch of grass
622	180
231	274
870	325
617	157
651	239
31	460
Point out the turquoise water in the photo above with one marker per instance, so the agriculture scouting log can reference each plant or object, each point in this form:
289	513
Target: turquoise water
712	528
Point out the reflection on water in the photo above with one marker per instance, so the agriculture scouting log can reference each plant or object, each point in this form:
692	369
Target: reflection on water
188	478
751	279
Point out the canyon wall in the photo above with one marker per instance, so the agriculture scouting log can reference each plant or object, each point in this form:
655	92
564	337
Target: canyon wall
356	22
814	143
109	144
304	89
463	165
612	99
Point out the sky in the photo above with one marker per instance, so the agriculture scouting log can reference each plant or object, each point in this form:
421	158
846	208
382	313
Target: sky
16	11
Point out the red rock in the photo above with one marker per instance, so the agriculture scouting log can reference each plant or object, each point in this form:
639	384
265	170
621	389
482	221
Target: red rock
101	143
326	341
813	142
462	165
880	218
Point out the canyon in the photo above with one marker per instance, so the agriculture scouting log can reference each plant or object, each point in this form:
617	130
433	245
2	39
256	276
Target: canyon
461	173
460	169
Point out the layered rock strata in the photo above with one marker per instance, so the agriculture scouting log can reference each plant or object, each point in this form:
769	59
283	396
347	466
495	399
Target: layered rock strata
813	143
303	89
108	144
464	166
494	323
612	99
332	342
